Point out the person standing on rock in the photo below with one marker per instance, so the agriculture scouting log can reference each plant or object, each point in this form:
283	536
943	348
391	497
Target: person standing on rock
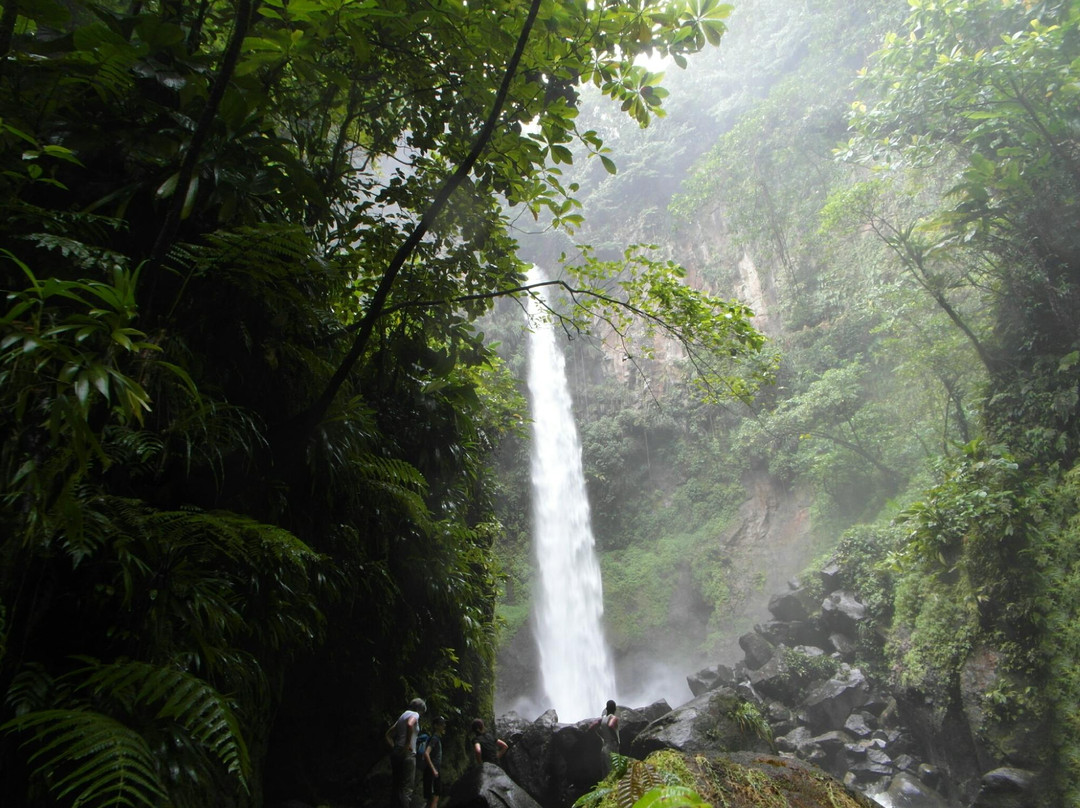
401	737
486	747
433	763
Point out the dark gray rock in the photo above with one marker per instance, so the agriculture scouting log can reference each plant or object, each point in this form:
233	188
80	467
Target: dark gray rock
858	749
796	632
830	576
780	717
774	679
905	763
530	761
790	606
929	774
832	741
809	632
707	724
876	755
655	710
709	678
548	718
757	649
796	742
488	786
510	726
906	791
829	704
557	763
868	771
859	724
1007	787
777	632
843	645
843	612
632	721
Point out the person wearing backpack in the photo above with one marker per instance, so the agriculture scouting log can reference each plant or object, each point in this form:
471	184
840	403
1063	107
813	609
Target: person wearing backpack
431	761
401	737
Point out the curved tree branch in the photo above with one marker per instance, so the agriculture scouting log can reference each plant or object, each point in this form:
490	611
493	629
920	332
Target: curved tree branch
376	306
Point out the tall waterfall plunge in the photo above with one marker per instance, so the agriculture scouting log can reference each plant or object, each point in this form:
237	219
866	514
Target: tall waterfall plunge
575	665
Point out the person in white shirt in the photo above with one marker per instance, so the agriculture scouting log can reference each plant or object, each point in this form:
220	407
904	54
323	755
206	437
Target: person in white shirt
401	737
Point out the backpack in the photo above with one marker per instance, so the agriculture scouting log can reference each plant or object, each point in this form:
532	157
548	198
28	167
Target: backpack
421	744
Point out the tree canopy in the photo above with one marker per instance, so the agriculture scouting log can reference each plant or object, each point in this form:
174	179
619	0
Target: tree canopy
246	408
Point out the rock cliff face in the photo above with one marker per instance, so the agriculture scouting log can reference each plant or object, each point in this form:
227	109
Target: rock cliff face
799	668
797	694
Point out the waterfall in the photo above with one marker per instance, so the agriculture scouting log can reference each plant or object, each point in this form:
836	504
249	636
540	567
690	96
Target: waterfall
575	665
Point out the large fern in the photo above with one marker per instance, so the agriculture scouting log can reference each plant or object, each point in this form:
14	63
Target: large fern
91	758
105	745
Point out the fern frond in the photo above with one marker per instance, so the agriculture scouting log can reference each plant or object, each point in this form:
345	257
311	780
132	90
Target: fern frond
671	797
91	756
201	712
639	778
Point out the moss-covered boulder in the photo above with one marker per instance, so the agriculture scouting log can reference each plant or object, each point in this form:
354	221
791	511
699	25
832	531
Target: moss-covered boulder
736	780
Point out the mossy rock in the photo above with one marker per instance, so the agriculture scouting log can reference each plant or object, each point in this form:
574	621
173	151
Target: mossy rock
751	780
747	780
719	721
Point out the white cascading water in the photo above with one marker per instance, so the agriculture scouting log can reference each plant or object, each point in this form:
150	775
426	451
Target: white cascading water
575	665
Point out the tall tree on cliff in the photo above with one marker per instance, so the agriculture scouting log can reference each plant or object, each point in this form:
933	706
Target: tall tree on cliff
245	413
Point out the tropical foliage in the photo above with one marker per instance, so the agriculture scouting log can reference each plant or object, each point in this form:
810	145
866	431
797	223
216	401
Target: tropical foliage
246	411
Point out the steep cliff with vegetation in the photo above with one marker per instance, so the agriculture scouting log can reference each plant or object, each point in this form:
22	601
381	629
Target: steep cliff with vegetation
897	196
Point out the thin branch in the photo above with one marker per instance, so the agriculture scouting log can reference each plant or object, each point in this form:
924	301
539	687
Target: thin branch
318	408
202	131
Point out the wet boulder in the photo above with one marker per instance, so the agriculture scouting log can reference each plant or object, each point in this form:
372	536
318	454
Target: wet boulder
794	632
843	612
633	721
829	704
488	786
510	726
1007	787
655	710
756	648
530	761
709	678
831	575
718	721
791	606
907	791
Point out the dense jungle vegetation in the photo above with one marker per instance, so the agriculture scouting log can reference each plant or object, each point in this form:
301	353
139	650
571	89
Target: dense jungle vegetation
250	419
247	415
901	181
